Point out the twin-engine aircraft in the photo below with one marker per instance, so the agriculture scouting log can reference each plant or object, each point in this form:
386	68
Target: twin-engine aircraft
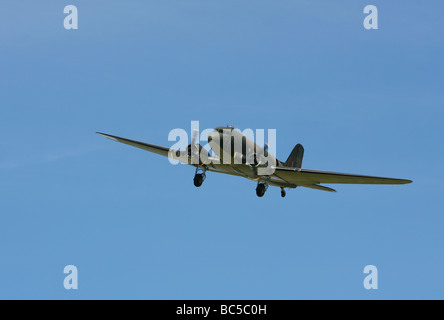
250	159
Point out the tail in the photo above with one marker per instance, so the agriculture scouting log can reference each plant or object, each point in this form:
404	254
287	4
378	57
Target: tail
295	158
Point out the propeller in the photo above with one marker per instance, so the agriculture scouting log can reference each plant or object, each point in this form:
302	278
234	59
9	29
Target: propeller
255	164
193	148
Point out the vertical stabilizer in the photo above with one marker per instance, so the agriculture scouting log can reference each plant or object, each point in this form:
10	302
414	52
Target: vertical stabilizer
295	158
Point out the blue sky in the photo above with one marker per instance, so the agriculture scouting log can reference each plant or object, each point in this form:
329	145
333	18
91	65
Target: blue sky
360	101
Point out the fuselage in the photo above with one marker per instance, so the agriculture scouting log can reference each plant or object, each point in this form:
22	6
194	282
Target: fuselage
239	152
233	147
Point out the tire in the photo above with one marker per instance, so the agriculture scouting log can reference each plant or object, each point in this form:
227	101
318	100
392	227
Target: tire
260	190
198	180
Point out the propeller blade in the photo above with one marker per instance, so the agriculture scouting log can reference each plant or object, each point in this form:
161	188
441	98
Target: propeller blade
195	133
255	165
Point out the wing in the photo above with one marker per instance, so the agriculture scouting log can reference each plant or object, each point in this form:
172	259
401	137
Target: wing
306	177
163	151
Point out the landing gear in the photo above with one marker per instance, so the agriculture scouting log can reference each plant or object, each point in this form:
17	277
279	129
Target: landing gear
261	188
199	177
283	193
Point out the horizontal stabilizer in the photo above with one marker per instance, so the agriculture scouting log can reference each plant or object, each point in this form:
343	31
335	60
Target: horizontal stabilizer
319	187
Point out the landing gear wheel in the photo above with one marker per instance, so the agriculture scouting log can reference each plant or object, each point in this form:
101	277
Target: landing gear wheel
260	189
198	179
283	193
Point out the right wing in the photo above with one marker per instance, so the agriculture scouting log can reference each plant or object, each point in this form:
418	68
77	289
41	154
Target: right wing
306	177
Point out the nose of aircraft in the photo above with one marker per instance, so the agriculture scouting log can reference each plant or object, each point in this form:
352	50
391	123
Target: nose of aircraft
213	135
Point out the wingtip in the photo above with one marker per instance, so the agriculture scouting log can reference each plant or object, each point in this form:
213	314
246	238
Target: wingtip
104	134
108	136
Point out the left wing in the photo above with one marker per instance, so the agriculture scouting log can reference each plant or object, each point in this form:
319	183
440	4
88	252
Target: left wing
163	151
236	170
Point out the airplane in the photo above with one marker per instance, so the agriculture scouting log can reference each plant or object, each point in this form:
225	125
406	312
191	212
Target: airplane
245	163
